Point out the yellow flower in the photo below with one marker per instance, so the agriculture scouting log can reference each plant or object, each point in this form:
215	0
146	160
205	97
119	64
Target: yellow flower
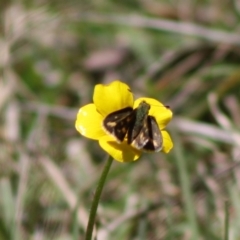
111	98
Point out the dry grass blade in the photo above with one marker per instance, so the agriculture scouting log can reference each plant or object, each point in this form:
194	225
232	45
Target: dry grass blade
204	130
57	177
184	28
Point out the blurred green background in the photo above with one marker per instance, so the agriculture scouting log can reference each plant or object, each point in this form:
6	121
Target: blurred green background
184	53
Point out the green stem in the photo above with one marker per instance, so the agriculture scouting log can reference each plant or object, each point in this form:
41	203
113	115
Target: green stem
226	227
96	199
185	182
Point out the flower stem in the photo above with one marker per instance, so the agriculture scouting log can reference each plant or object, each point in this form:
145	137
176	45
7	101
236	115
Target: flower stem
96	199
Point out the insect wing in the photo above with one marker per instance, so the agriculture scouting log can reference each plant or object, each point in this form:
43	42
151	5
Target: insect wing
155	141
118	123
140	138
150	138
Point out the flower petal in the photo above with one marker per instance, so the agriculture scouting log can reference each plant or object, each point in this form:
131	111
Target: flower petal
167	142
121	152
161	113
89	122
112	97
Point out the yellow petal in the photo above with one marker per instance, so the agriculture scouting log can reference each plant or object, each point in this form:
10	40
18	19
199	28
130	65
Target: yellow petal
161	113
167	142
121	152
89	122
112	97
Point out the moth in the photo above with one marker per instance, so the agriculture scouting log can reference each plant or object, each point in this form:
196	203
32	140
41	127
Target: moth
137	126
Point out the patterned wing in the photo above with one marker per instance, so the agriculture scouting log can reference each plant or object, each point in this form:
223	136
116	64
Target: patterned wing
149	138
155	141
139	136
117	123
